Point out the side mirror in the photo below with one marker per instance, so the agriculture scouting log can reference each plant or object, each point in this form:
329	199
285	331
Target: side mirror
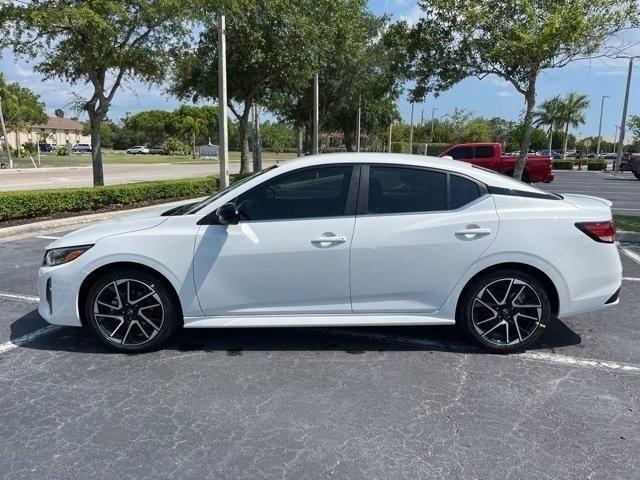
228	214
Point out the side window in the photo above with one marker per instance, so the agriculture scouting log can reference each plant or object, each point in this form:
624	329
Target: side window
484	151
462	153
402	190
316	192
462	191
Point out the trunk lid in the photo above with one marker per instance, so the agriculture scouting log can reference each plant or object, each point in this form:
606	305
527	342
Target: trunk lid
588	202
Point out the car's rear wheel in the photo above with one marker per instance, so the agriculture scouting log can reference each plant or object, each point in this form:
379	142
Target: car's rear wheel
505	310
637	174
131	311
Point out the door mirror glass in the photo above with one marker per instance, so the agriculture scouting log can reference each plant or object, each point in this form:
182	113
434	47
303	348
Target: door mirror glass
228	214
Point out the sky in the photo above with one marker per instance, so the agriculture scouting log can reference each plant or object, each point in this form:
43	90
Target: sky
488	97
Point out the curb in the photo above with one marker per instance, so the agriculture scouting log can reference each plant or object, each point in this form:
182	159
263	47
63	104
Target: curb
18	232
628	237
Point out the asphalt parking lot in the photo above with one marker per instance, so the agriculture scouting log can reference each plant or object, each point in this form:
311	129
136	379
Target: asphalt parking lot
622	189
379	403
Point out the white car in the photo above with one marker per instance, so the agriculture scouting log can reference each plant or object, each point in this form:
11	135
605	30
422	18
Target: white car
81	148
337	240
138	149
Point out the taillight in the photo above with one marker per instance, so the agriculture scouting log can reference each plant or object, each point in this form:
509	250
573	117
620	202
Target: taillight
600	231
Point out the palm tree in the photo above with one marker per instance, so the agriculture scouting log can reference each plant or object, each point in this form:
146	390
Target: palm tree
548	115
572	115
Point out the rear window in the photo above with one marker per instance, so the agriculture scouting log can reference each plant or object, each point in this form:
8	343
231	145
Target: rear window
462	153
484	151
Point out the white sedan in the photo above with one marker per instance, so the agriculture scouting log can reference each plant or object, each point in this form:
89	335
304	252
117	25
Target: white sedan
138	150
342	240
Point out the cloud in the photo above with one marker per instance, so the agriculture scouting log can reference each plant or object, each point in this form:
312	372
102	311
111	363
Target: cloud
505	93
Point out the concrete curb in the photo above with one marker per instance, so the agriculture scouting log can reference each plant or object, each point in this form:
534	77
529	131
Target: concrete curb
29	229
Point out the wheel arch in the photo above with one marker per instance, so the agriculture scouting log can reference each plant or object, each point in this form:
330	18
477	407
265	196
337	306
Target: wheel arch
115	266
550	287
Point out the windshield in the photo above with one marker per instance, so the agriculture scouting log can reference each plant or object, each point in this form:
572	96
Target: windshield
194	208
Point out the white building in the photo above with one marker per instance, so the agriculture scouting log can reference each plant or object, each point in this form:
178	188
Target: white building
57	131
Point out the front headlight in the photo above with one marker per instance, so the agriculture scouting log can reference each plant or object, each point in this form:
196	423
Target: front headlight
58	256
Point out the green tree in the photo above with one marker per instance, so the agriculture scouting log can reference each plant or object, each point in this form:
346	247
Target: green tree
100	42
58	112
477	130
273	46
549	115
147	127
515	40
21	107
572	109
634	125
277	136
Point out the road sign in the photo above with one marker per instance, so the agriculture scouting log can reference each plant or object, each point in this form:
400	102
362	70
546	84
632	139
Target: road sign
209	151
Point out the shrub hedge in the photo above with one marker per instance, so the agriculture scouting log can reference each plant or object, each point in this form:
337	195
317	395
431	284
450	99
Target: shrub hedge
563	164
597	165
40	203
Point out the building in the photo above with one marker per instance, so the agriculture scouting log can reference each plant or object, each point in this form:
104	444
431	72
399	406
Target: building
57	131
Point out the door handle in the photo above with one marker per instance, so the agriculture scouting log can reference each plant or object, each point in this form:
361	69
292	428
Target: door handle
329	239
472	232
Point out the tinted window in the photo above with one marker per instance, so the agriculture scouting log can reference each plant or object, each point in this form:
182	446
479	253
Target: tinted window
318	192
462	191
400	190
462	153
484	151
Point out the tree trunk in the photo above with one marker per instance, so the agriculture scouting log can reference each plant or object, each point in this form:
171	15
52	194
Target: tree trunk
550	139
193	144
566	141
18	143
243	134
530	98
300	143
95	120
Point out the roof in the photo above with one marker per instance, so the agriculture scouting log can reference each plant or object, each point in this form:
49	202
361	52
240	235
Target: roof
61	124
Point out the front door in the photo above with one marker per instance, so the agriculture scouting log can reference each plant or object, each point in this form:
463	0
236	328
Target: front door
289	254
419	231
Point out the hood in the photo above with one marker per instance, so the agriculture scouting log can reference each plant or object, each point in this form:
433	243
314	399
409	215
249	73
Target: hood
587	202
117	225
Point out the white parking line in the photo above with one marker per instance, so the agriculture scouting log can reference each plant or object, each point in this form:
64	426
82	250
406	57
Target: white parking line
48	237
631	254
540	356
631	279
29	337
17	296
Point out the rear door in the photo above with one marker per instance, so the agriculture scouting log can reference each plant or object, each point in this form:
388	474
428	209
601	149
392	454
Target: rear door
417	231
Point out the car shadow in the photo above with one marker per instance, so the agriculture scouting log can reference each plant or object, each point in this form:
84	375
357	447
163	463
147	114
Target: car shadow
353	340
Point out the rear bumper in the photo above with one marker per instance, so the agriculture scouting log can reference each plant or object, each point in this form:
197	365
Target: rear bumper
548	178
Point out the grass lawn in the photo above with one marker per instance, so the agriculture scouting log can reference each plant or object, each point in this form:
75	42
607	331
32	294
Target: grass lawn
627	223
121	157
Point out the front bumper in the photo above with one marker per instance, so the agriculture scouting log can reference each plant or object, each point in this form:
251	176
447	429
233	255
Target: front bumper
58	289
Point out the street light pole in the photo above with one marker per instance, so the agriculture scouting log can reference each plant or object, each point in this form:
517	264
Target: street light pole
358	124
615	141
433	116
411	131
624	117
316	115
4	135
390	130
223	149
600	126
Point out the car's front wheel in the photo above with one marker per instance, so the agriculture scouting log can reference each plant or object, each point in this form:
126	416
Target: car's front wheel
505	310
131	311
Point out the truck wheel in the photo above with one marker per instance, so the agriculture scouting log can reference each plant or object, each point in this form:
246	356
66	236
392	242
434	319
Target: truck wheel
637	174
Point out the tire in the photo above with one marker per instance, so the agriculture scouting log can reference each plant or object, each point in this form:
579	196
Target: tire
637	174
494	315
131	310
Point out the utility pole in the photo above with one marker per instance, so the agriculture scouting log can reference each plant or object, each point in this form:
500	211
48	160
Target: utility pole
257	140
4	135
599	127
624	117
390	131
615	142
411	132
358	124
223	149
316	115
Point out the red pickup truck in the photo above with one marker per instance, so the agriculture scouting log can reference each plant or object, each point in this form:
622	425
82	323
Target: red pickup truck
491	156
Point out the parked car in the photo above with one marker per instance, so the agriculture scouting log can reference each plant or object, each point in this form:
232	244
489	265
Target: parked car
81	148
341	240
634	164
155	150
489	155
556	154
46	147
137	150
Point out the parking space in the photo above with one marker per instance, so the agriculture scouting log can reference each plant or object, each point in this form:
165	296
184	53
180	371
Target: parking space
622	189
317	403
